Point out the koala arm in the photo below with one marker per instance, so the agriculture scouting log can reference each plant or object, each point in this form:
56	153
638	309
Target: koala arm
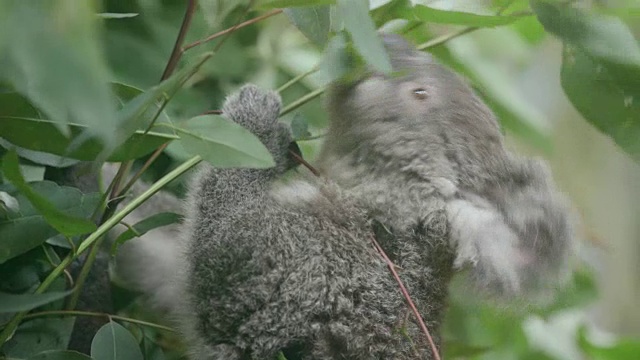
516	238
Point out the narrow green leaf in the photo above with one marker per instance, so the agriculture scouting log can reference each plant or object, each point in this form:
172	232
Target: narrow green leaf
10	303
355	14
144	226
42	135
223	143
114	342
431	15
27	228
65	224
313	21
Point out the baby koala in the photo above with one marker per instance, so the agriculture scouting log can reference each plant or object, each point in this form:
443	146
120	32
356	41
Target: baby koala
414	160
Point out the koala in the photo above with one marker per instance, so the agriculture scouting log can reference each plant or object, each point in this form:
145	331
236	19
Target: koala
414	160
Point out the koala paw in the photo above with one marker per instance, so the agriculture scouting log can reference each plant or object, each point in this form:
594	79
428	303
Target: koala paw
254	108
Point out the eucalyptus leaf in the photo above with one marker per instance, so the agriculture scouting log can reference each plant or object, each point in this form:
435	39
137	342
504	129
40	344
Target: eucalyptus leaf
30	133
355	14
601	99
114	342
600	71
431	15
313	21
24	230
223	143
299	127
10	303
144	226
61	72
38	335
65	224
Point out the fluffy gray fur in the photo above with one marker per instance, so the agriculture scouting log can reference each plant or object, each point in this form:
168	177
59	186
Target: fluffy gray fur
415	159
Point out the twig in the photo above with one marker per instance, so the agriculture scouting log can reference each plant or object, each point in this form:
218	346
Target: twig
177	51
95	314
232	29
304	162
407	297
303	100
297	78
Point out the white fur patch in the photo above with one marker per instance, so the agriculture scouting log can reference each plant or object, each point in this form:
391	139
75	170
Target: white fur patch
295	193
483	239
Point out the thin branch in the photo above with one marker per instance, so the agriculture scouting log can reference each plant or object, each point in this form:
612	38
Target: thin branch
407	297
303	100
304	162
297	78
212	112
446	37
231	29
177	51
95	314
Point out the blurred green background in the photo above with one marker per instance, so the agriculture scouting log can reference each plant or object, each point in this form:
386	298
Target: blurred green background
562	76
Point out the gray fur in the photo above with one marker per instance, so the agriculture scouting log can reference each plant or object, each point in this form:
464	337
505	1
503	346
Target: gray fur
271	266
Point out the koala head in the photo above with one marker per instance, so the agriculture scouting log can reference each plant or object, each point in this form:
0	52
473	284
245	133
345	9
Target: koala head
421	104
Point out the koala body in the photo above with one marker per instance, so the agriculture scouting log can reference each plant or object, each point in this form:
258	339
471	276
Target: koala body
415	161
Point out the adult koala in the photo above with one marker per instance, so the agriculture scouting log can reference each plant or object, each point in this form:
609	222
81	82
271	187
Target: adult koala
415	160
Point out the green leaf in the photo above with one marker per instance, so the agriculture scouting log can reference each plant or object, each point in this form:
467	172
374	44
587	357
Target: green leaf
144	226
355	14
65	224
337	63
10	303
8	203
52	56
601	99
116	15
143	111
273	4
299	127
43	135
604	37
114	342
313	21
38	335
600	71
223	143
28	228
624	349
427	14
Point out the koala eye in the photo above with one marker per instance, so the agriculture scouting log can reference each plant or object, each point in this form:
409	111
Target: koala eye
420	93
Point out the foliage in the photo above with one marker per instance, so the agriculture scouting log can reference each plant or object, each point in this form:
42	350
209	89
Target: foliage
96	81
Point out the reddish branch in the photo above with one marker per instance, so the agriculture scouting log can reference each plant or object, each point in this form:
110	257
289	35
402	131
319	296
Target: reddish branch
232	29
177	51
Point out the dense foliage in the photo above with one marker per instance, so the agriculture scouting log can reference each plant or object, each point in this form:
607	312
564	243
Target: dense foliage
88	82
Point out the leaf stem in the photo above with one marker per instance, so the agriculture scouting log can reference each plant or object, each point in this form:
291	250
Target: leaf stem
96	314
